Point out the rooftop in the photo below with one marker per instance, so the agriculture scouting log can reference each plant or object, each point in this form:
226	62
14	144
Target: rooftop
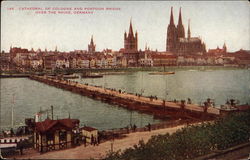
87	128
48	124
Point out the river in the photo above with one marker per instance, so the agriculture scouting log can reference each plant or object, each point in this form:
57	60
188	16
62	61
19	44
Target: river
27	96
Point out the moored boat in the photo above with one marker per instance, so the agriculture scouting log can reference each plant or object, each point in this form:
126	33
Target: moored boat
91	75
161	73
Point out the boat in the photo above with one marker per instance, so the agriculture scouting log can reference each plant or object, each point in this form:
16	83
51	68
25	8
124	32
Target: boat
161	73
192	70
70	76
116	73
91	75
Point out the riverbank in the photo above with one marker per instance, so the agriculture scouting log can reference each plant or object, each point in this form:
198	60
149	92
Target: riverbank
100	151
129	141
14	75
129	69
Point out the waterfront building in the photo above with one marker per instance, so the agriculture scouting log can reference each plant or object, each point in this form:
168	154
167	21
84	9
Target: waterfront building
72	61
179	44
92	62
89	133
83	62
54	134
111	61
101	62
91	46
62	62
145	58
15	50
200	60
242	57
164	60
36	63
121	61
49	62
5	62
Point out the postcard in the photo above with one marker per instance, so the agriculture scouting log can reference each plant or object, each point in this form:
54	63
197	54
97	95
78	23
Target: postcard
121	80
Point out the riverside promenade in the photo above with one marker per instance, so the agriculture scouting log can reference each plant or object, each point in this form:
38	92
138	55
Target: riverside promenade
157	107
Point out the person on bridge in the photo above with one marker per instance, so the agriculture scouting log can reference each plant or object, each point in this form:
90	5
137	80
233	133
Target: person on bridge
92	140
149	127
134	127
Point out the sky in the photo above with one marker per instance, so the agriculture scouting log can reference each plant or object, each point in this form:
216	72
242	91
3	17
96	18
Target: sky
215	22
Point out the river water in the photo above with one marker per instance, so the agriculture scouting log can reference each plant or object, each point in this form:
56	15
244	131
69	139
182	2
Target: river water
27	96
198	85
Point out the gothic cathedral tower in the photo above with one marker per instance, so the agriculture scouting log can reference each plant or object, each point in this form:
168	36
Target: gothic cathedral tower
180	27
130	40
171	34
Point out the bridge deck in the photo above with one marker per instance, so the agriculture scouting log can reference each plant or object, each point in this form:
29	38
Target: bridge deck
127	96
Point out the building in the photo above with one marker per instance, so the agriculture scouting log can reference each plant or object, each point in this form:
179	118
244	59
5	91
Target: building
54	134
14	50
89	133
130	40
177	42
49	62
73	61
145	58
92	62
218	50
130	50
164	60
62	62
111	61
242	57
5	62
36	63
91	46
83	62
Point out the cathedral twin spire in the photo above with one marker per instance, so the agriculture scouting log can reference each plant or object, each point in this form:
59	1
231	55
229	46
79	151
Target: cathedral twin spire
189	33
176	41
171	17
180	28
175	32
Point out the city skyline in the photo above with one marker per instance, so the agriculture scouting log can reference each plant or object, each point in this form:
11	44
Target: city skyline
225	22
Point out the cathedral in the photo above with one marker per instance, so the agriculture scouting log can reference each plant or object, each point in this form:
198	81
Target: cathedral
178	44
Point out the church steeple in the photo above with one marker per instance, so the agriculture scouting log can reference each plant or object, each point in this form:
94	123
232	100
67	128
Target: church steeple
224	48
92	42
130	29
91	46
180	18
171	17
130	40
180	27
189	33
171	34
